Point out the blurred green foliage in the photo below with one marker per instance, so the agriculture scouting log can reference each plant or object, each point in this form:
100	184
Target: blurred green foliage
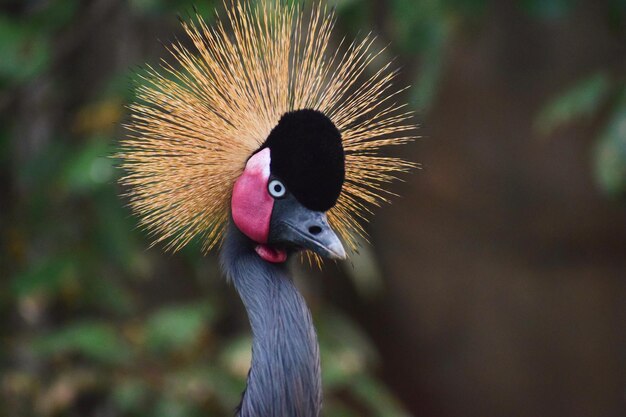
610	155
25	50
548	9
580	101
586	99
596	95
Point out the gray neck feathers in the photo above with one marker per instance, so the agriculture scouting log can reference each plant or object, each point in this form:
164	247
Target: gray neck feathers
284	379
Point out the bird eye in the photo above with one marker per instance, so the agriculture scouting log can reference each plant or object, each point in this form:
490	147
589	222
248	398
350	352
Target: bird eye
276	189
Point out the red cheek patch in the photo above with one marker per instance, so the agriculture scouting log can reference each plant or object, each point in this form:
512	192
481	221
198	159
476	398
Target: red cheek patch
251	203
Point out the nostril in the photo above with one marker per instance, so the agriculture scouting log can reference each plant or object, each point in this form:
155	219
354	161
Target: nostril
315	230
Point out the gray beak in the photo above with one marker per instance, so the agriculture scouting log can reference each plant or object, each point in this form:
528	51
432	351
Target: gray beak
294	224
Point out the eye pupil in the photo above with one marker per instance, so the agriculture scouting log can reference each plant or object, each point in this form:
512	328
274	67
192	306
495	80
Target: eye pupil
276	189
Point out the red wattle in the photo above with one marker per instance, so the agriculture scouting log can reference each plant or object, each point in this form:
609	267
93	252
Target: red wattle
270	254
251	204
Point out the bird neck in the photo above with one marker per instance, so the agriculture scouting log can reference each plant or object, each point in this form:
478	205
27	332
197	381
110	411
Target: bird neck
284	379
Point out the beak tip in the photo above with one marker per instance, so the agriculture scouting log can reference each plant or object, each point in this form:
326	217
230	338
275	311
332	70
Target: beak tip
337	251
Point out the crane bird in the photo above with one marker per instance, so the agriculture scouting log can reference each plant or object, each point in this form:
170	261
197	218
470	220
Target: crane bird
264	140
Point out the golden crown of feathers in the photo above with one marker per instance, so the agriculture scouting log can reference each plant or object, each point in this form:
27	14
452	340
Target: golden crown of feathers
192	128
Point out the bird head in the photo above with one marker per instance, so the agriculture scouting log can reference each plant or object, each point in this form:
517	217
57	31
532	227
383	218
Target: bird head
267	123
281	198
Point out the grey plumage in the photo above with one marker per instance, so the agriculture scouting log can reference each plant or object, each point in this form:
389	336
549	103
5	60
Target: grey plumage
284	378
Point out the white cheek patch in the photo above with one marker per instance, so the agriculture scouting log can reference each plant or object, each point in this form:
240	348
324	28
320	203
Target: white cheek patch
259	164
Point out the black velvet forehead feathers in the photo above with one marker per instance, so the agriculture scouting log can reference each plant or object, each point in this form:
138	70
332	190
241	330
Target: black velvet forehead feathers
307	155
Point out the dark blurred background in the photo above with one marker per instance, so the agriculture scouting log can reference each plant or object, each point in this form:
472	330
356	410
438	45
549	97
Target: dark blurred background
495	286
